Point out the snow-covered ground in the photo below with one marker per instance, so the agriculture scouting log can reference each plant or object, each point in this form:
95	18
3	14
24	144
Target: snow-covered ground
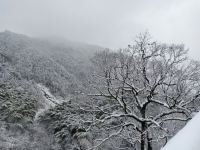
48	102
188	138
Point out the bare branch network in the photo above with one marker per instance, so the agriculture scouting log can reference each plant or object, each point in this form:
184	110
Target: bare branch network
146	87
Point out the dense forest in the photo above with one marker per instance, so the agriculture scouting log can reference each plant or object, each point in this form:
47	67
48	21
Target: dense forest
62	95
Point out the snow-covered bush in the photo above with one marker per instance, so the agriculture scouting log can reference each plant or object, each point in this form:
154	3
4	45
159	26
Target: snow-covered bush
15	105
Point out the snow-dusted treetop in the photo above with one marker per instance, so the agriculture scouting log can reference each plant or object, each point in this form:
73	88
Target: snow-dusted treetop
188	138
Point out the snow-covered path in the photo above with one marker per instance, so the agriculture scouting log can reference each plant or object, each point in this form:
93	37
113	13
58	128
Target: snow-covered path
48	102
188	138
16	136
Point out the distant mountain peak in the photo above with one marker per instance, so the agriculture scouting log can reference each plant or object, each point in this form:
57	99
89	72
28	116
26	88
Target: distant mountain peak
8	32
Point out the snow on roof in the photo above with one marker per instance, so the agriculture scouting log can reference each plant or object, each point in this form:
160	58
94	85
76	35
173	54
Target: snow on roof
188	138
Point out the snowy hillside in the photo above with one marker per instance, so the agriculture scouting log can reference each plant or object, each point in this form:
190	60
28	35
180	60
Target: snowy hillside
48	101
61	95
60	66
37	75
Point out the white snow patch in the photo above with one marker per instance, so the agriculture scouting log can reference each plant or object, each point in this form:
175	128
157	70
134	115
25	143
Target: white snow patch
188	138
48	102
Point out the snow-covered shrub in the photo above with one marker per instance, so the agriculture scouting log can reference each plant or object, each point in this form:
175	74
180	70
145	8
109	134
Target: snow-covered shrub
16	105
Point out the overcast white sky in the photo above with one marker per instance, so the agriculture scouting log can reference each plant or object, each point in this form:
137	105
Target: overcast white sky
108	23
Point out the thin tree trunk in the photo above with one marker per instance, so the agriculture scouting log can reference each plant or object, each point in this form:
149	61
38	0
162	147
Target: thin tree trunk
143	136
149	142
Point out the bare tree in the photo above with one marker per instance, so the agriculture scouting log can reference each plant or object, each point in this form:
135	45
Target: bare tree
147	88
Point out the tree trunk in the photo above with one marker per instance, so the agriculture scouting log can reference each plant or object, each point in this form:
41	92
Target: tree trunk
149	144
143	136
143	129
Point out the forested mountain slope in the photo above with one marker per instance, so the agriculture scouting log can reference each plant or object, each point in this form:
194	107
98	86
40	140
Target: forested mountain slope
27	67
59	66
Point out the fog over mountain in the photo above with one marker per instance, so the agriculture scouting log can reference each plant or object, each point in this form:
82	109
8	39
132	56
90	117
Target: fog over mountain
98	74
112	23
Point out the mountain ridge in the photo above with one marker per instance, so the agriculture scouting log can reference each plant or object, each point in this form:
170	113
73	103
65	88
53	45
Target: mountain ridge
29	55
